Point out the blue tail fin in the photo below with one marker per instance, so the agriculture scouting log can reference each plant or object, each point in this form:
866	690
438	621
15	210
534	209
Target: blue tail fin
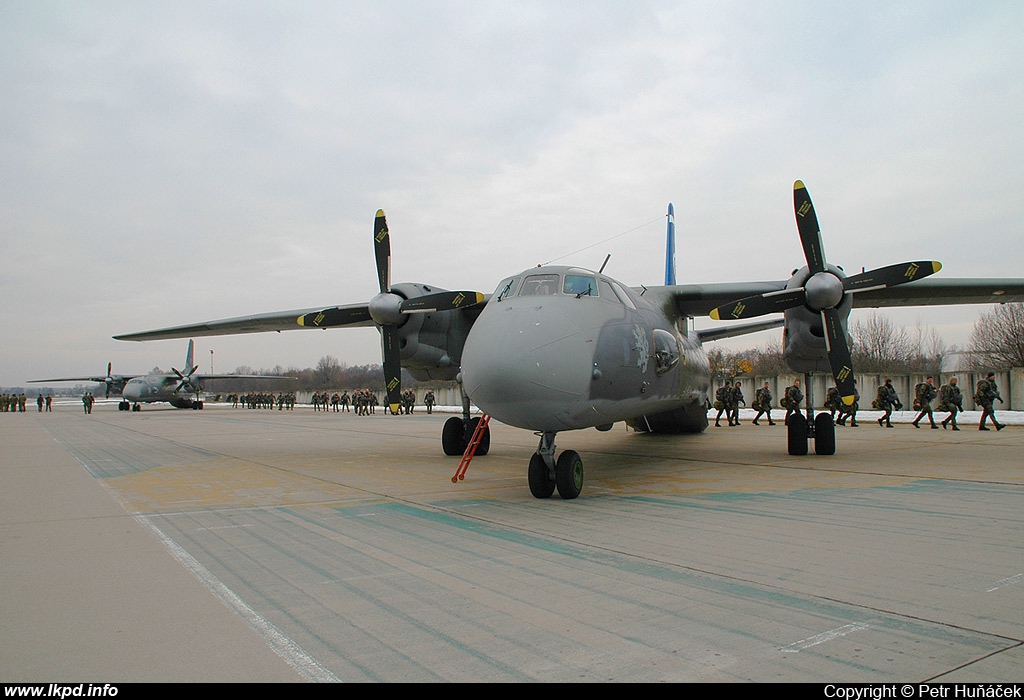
670	247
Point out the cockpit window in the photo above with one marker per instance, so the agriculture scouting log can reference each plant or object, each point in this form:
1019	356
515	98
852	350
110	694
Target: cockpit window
580	286
623	296
539	285
506	289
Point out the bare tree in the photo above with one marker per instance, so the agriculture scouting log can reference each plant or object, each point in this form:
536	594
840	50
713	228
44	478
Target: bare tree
328	371
997	337
769	359
927	358
881	346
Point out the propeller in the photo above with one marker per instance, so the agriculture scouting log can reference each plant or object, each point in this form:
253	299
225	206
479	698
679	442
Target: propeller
387	310
824	290
186	380
109	380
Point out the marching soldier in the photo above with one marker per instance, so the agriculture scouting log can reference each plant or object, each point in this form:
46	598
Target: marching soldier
951	400
832	401
887	400
985	396
723	397
737	399
924	392
849	411
791	400
763	404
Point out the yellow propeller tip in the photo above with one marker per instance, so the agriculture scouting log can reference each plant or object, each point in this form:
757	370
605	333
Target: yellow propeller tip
299	320
380	213
799	185
714	315
936	266
848	400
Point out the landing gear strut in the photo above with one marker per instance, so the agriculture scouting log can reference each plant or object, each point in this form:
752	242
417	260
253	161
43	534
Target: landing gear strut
545	473
820	428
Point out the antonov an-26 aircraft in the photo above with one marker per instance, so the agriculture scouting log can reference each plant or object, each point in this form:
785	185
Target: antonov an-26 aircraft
180	389
561	348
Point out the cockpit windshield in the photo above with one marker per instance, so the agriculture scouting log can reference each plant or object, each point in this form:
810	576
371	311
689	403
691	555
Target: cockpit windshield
539	285
580	285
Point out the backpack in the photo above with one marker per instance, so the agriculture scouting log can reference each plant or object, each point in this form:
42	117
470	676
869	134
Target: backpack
981	393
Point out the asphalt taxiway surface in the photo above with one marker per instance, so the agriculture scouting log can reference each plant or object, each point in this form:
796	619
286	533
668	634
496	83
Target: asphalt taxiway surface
257	545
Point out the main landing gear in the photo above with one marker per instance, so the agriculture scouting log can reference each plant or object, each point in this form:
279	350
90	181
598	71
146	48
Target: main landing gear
546	474
457	432
820	428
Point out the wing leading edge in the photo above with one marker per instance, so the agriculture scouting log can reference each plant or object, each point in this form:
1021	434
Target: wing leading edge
701	299
355	314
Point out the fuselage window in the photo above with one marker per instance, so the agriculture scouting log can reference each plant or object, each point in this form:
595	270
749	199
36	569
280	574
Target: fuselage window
580	286
539	285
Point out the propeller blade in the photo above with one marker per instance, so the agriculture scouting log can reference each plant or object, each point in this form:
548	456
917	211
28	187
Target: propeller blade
392	349
839	357
760	304
335	316
382	251
110	366
807	224
891	275
442	301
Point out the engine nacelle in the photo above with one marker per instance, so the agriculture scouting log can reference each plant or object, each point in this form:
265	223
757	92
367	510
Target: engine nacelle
803	335
431	343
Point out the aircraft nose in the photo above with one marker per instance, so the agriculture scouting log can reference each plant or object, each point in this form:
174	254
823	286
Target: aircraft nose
527	366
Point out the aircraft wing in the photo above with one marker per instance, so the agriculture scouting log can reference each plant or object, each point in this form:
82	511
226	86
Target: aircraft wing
208	377
683	300
352	315
700	299
942	292
115	379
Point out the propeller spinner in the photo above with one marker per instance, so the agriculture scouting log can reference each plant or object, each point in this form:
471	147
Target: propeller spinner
387	310
824	291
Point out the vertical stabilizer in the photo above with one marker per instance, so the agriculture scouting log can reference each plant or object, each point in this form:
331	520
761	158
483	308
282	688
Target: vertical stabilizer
188	357
670	247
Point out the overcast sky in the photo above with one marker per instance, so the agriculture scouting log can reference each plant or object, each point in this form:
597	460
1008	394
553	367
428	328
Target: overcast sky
164	163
